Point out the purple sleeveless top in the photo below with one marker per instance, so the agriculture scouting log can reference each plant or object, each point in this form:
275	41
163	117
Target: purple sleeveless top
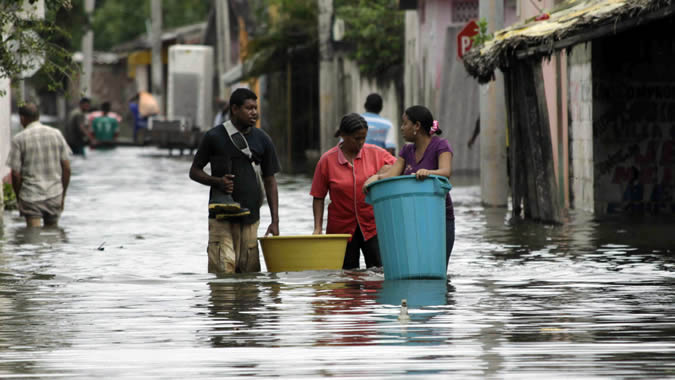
429	161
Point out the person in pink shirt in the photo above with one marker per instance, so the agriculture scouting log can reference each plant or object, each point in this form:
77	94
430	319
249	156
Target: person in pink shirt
341	172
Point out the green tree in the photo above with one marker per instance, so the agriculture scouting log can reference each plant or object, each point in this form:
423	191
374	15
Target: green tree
286	27
117	21
24	38
375	33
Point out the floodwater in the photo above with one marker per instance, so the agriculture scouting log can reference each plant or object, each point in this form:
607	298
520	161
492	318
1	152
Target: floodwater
120	290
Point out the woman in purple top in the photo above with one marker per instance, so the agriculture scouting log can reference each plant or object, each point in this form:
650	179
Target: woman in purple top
428	154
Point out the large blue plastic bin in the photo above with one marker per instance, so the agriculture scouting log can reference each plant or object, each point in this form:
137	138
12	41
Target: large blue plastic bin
410	219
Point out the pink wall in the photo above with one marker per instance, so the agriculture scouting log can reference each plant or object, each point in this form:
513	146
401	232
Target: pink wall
435	16
559	133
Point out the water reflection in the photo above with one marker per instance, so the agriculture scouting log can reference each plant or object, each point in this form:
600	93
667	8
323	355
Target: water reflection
584	300
418	293
39	236
234	307
347	304
427	299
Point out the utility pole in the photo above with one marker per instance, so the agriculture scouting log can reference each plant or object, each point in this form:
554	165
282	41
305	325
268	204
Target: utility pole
156	40
223	42
87	50
493	174
327	77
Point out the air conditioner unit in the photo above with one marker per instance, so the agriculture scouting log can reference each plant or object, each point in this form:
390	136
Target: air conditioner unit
190	85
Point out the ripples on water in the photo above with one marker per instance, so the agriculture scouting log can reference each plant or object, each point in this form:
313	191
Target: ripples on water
120	290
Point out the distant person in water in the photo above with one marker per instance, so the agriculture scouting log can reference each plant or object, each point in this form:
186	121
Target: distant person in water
77	132
105	128
380	130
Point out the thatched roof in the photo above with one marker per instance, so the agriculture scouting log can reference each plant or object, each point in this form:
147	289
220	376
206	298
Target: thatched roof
572	22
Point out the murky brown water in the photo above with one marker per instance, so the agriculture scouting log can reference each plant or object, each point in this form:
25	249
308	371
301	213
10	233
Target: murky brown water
523	300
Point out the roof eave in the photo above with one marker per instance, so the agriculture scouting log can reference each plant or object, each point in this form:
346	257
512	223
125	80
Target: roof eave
481	62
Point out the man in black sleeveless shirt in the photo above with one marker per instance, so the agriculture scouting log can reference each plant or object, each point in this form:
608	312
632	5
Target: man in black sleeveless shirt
233	244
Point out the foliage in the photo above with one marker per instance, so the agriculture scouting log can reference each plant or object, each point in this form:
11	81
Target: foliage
375	29
8	196
483	36
25	36
287	27
117	21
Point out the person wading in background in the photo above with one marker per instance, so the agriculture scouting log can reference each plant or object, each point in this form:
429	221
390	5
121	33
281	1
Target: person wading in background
40	162
77	132
380	130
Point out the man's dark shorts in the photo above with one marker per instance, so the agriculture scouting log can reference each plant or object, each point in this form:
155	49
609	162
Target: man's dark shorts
46	209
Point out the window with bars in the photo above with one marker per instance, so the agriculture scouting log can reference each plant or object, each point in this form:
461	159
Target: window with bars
464	11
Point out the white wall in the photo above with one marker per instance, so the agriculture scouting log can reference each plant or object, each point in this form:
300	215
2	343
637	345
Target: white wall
581	125
425	32
356	97
190	100
5	126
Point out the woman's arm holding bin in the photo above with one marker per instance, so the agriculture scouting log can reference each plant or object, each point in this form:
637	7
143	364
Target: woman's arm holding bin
393	171
317	209
444	167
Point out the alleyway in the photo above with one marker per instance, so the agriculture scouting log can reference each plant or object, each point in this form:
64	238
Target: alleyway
120	290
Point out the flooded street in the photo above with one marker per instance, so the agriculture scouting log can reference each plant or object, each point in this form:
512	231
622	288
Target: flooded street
121	290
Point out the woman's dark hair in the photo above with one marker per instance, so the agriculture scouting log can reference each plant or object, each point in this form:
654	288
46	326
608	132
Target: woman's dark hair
351	123
422	115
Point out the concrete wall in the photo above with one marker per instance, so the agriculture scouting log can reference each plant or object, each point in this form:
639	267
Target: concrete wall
346	91
109	82
581	126
5	126
360	87
436	78
425	33
412	82
459	109
634	111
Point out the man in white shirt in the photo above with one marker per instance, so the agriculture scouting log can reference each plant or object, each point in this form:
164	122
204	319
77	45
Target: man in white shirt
40	162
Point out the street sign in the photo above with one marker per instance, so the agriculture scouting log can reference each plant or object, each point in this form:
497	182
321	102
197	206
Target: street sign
464	41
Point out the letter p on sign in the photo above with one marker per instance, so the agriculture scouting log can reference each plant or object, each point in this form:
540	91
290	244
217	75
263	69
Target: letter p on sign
464	41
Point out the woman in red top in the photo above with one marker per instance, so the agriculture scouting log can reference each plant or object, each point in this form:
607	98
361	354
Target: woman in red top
341	172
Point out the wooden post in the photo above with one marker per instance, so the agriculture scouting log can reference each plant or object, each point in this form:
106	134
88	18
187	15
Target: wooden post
512	113
157	64
223	41
289	116
562	189
328	82
87	50
531	144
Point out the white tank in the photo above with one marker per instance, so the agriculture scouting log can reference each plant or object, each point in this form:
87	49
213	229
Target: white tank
190	85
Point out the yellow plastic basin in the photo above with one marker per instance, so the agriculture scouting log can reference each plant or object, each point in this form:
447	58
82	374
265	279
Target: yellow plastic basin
304	252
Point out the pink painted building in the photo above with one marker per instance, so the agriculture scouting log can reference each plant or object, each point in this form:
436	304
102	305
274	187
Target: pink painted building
434	74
